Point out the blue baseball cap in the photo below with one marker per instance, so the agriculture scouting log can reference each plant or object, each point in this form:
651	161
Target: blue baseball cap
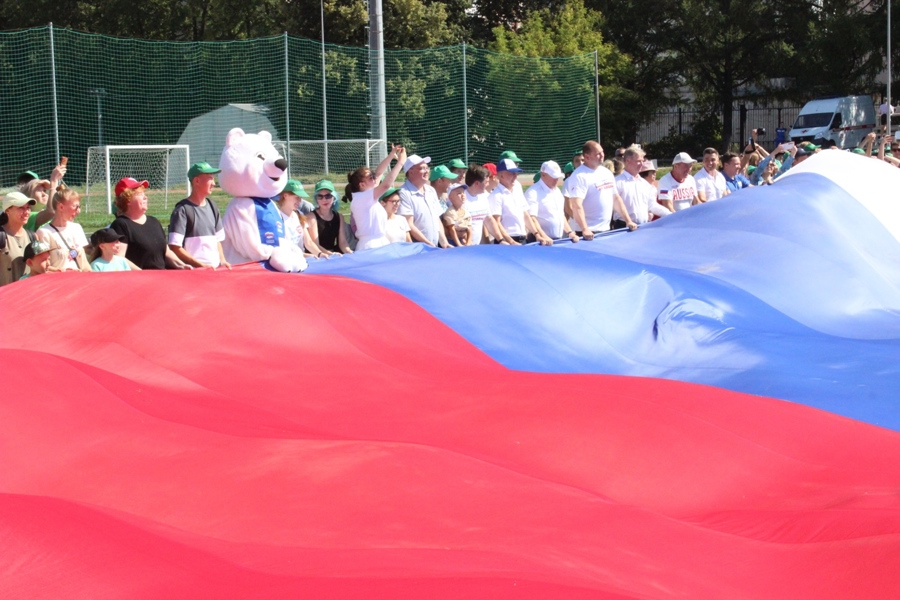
508	165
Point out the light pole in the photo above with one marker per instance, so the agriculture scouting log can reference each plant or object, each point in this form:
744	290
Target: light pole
324	91
376	74
99	93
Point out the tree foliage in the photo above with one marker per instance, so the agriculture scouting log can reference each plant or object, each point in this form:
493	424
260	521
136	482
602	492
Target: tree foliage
408	23
654	72
574	30
726	45
649	51
843	49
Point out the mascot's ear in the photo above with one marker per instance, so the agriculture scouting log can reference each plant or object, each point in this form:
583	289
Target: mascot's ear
234	136
266	136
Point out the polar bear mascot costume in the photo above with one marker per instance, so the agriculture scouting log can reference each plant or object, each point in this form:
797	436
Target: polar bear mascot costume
253	173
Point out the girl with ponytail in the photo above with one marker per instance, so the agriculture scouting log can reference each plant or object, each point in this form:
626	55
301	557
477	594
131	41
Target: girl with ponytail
364	187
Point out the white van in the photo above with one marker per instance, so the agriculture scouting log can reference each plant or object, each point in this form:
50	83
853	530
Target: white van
845	120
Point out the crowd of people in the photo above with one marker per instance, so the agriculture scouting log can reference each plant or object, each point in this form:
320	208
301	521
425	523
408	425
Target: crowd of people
446	206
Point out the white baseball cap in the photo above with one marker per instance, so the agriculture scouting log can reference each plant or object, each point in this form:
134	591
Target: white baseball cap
17	199
552	169
683	158
414	160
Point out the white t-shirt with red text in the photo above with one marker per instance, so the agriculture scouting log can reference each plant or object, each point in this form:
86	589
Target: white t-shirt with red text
596	188
681	194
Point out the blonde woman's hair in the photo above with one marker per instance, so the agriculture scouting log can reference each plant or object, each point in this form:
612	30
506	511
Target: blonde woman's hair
29	188
63	194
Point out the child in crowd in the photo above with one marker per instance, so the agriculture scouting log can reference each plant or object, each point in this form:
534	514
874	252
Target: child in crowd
37	259
397	229
457	221
105	257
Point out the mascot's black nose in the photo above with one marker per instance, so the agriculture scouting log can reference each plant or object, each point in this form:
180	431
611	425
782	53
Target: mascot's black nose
281	164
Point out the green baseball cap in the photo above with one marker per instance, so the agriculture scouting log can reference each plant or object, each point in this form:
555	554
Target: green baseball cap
810	146
578	151
324	184
390	192
568	168
295	187
457	164
202	168
511	156
858	151
442	171
26	177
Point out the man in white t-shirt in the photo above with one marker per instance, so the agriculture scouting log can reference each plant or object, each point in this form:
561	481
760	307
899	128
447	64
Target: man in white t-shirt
510	155
507	204
476	203
638	196
710	182
677	188
546	202
592	195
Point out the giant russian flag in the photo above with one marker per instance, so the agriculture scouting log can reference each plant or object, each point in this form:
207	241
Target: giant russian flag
703	408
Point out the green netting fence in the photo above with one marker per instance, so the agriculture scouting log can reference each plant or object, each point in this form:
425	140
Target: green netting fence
66	92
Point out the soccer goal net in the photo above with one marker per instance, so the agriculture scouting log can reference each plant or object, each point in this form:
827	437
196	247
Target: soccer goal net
164	167
328	158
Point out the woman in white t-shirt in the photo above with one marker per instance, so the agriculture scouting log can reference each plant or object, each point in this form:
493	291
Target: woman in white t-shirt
367	214
295	226
65	237
397	229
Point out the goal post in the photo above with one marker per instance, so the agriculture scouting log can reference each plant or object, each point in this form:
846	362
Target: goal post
165	167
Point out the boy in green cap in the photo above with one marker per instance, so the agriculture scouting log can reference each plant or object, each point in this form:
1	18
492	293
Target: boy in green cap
510	155
293	186
440	179
458	167
195	229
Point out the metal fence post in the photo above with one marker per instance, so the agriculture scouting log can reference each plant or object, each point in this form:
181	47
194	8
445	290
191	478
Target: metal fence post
53	82
742	116
287	102
597	92
325	97
376	55
465	105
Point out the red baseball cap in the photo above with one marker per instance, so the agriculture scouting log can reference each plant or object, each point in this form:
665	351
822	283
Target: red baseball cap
128	183
491	167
